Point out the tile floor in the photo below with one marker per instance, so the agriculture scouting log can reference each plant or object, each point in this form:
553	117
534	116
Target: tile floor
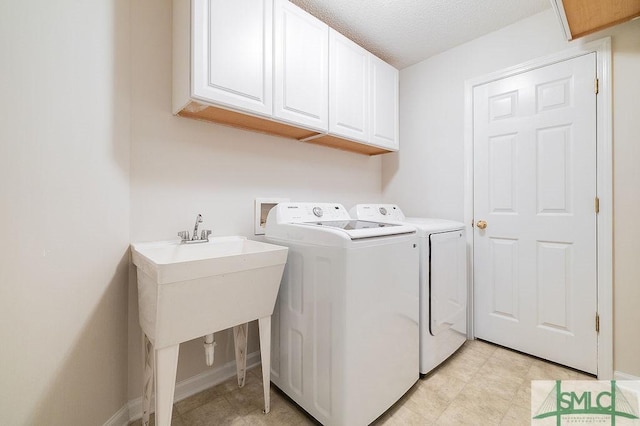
481	384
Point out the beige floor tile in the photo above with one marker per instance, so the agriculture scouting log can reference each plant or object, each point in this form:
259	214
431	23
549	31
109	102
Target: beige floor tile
480	346
541	370
256	372
198	399
447	386
246	399
508	368
460	416
457	415
481	384
504	387
401	415
474	406
428	403
462	365
232	384
217	412
178	421
522	397
477	352
283	416
517	416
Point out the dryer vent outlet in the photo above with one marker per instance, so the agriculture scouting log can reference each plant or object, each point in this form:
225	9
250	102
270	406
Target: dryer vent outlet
262	208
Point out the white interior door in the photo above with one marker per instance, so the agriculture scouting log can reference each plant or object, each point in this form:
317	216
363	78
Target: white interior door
535	282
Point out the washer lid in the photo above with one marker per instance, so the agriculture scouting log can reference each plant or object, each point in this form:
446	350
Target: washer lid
357	229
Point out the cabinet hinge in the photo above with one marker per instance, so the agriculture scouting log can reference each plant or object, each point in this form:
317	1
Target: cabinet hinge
596	86
597	205
597	323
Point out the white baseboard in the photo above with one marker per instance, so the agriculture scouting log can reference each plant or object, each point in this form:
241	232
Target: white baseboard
121	418
184	389
618	375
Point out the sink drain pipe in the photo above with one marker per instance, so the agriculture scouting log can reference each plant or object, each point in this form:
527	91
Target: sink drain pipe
209	347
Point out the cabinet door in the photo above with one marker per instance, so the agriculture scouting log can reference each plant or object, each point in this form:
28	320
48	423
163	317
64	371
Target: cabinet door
301	94
232	53
348	88
384	104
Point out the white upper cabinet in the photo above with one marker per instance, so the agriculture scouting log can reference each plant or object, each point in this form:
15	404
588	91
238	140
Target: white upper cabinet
232	53
363	95
269	66
348	88
301	58
384	104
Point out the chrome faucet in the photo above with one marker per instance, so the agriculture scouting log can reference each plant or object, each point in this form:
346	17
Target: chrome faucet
195	228
204	236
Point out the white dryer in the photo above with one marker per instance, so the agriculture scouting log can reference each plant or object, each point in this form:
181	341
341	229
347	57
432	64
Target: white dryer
345	328
443	280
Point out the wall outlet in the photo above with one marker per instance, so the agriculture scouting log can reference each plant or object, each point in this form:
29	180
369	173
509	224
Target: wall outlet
262	208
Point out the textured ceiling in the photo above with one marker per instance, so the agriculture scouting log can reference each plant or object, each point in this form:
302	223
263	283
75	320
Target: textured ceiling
404	32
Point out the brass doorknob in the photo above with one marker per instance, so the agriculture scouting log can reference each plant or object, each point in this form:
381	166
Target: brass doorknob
481	224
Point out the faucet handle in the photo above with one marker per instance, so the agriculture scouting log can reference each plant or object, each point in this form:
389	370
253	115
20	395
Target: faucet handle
204	235
184	235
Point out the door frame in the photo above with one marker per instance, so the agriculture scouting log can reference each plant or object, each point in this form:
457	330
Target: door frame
604	184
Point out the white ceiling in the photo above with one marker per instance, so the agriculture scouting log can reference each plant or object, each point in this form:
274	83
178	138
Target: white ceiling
404	32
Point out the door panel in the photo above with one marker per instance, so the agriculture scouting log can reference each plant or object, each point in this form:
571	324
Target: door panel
504	253
554	281
348	88
384	104
553	155
502	163
233	63
535	185
301	89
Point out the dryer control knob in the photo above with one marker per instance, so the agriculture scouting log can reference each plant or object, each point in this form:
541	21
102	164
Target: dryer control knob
317	211
382	211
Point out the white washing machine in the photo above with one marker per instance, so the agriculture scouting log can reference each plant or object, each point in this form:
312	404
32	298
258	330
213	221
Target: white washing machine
443	280
345	328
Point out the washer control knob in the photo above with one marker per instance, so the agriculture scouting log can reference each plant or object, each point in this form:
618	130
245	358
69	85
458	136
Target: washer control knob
317	211
382	211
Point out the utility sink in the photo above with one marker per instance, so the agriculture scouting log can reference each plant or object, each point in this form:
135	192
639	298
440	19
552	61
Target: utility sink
187	291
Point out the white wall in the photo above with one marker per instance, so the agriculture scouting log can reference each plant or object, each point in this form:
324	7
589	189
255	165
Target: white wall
426	177
67	78
64	217
182	167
